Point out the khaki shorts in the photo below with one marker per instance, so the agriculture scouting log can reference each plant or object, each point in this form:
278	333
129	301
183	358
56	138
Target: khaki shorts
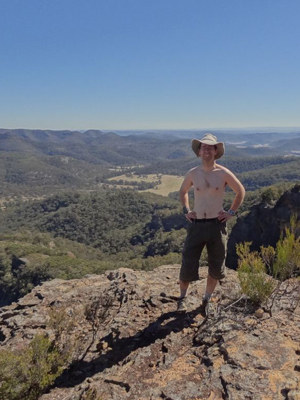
210	233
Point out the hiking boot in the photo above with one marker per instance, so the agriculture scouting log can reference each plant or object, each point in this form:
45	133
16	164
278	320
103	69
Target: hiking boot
181	304
206	308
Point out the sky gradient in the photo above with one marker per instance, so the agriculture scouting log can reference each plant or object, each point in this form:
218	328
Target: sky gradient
142	64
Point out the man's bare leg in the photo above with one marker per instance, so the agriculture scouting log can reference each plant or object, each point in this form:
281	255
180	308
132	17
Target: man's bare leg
211	284
182	305
183	287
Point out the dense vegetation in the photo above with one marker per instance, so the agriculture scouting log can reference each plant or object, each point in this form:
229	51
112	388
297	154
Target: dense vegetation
236	163
271	175
107	220
29	175
78	224
36	163
101	231
74	234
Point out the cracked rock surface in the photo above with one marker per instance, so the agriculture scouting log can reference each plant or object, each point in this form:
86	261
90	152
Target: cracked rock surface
138	347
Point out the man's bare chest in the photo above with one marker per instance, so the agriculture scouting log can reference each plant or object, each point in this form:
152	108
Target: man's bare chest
212	182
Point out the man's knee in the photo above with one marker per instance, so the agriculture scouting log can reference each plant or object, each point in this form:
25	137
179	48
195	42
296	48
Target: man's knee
189	271
217	270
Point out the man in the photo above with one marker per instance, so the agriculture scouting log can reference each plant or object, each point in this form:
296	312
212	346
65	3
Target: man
208	219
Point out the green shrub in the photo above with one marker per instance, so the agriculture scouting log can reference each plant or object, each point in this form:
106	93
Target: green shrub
287	262
91	394
281	263
60	322
255	282
26	374
269	195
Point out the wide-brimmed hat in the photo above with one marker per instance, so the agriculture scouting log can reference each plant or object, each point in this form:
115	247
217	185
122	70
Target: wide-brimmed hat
210	139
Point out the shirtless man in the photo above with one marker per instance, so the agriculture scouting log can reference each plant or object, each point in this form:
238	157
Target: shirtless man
208	219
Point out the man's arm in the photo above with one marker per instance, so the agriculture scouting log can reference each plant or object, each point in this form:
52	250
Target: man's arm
184	196
239	191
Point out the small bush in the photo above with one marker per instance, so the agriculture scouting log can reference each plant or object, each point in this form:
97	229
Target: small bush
255	282
97	311
60	322
90	394
27	374
287	262
281	263
269	195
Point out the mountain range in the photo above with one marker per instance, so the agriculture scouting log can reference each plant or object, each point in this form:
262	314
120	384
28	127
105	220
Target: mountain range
43	161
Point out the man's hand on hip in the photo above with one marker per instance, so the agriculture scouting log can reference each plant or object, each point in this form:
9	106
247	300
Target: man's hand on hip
191	215
224	216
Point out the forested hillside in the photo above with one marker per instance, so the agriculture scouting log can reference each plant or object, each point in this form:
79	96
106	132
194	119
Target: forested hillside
237	164
108	220
62	216
72	234
120	228
40	163
270	175
25	174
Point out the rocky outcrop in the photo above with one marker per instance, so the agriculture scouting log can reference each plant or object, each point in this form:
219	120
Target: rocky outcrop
139	348
264	224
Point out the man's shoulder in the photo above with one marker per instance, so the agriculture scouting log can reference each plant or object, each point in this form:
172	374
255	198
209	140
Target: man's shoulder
222	168
194	170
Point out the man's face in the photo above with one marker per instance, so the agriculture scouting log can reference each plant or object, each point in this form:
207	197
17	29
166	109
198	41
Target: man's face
207	151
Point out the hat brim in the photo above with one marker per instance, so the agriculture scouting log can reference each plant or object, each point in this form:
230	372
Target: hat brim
220	147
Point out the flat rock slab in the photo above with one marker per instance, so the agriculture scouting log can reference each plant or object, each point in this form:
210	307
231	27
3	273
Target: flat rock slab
138	347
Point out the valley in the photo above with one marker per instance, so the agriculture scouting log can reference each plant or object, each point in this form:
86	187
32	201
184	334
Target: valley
75	203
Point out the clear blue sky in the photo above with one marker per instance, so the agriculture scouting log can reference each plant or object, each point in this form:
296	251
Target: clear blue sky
142	64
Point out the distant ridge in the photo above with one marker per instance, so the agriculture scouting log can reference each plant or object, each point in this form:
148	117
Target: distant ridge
97	146
37	158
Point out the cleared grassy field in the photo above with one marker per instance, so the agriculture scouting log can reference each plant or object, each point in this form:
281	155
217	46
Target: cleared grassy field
169	183
135	178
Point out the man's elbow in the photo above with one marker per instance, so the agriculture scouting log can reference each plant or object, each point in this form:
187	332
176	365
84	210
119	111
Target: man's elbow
182	193
241	193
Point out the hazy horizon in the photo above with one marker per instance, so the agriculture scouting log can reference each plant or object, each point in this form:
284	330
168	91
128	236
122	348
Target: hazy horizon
154	130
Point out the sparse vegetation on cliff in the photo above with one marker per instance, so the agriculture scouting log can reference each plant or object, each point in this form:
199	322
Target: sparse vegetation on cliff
262	273
27	373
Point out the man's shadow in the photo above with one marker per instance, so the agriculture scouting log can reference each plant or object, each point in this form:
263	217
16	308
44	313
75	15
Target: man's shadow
121	348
